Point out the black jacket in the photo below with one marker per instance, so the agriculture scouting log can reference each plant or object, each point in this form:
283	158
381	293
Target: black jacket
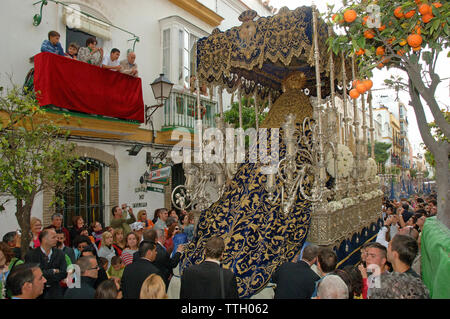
134	275
86	291
163	262
294	281
52	290
203	282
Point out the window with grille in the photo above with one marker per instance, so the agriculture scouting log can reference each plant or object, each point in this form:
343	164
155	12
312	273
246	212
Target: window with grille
86	196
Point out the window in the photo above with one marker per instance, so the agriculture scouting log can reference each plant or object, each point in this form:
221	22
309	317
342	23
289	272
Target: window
86	196
166	53
80	37
186	57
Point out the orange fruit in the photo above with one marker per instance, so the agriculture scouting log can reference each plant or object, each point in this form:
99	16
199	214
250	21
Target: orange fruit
409	14
380	51
365	20
334	18
401	52
437	4
414	40
355	83
368	84
403	42
398	13
390	40
418	29
380	65
424	9
361	88
369	34
360	52
417	49
354	94
382	27
350	16
418	1
427	18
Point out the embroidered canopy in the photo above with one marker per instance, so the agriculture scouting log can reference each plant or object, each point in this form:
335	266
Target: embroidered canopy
259	54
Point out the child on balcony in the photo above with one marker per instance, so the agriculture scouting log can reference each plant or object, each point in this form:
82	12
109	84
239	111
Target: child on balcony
52	45
72	51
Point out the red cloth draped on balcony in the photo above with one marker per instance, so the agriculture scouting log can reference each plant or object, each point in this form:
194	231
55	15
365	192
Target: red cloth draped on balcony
82	87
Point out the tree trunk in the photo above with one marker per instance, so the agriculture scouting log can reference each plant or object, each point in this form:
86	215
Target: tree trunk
443	185
23	215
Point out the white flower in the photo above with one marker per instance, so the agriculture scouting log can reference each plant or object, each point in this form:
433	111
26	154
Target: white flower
371	169
344	158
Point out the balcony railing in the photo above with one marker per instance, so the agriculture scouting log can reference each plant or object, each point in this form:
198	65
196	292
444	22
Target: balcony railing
180	110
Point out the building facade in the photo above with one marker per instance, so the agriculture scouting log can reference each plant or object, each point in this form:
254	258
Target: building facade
162	33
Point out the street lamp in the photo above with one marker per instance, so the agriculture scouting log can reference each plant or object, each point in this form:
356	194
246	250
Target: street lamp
161	88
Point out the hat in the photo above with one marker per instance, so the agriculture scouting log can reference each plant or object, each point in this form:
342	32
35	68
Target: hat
137	226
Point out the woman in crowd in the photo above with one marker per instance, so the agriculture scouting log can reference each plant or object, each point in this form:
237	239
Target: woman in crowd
108	289
90	53
36	228
96	231
173	230
132	241
106	250
7	262
77	225
189	228
153	288
119	243
142	217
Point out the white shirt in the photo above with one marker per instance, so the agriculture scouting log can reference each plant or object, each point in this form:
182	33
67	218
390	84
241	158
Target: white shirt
107	61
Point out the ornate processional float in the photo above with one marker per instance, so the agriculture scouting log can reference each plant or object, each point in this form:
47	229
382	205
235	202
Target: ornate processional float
319	185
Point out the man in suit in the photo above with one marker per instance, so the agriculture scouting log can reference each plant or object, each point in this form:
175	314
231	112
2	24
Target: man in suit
52	262
163	261
296	279
135	273
209	280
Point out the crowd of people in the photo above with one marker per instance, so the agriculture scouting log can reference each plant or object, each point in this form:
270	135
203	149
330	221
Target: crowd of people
92	54
138	258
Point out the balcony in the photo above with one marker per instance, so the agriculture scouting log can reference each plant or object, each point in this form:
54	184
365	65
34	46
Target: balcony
180	110
80	87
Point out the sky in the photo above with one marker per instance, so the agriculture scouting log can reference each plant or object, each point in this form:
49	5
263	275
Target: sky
442	93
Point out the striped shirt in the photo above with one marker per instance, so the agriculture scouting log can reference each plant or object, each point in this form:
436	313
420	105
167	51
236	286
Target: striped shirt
127	256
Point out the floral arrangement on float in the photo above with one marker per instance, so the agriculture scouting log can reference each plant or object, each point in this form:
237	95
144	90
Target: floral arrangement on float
371	169
344	159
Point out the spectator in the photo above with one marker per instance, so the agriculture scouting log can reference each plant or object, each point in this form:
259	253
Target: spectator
106	250
7	262
203	282
117	267
109	289
309	255
103	264
111	62
132	241
91	54
142	217
375	264
401	253
36	227
77	225
189	228
91	250
12	239
89	273
173	230
72	51
52	262
121	222
96	232
326	262
79	244
173	213
295	279
385	233
68	252
57	223
128	66
135	274
161	219
119	242
26	281
163	261
52	45
138	229
332	287
153	288
356	286
399	286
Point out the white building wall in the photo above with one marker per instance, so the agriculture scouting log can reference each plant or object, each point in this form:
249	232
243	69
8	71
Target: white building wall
21	40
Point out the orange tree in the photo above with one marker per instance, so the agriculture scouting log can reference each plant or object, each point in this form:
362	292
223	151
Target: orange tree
409	36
